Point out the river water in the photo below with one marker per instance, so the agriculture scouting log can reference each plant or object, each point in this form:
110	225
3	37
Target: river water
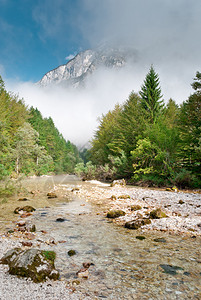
124	267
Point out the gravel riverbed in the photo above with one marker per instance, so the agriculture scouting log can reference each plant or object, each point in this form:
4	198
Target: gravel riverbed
184	218
183	209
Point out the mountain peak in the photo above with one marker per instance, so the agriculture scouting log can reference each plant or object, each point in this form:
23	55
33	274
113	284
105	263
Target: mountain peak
76	70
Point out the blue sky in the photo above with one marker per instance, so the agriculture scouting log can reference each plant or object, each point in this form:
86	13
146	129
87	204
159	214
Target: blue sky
37	36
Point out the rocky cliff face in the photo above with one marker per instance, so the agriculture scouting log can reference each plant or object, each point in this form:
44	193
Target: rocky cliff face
75	71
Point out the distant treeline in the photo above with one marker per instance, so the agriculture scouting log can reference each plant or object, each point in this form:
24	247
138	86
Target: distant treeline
29	143
147	141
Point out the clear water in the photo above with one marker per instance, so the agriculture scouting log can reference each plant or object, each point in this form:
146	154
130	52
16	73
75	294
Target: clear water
124	267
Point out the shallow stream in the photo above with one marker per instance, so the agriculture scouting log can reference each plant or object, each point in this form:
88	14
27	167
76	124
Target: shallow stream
124	266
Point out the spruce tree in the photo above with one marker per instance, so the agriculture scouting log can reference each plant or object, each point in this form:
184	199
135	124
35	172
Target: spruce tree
151	95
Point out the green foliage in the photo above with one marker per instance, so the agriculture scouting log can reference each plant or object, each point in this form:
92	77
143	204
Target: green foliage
87	171
29	143
196	85
49	255
106	133
80	169
189	124
184	179
64	154
151	95
149	141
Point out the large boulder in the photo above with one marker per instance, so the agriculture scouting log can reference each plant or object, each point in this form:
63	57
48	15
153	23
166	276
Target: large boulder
33	263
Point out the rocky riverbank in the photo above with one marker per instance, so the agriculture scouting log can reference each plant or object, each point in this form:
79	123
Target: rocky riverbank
182	208
63	225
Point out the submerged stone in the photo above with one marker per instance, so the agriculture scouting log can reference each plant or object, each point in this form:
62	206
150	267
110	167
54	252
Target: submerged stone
160	240
169	269
140	237
60	220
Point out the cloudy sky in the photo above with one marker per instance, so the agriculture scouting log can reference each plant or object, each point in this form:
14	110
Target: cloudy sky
37	36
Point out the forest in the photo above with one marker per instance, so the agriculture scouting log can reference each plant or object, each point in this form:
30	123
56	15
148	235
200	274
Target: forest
148	142
29	143
144	140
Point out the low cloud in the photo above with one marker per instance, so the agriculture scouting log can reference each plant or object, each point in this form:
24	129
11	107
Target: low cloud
76	112
69	57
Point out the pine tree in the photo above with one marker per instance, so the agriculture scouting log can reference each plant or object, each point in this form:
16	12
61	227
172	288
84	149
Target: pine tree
151	95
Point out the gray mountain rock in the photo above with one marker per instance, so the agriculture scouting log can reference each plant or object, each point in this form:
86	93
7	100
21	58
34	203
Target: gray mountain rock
75	71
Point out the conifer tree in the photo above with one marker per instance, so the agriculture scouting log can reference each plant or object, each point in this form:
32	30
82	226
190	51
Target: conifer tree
151	95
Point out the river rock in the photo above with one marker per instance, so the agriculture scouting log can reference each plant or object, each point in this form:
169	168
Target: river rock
27	243
135	224
120	182
26	208
32	263
140	237
157	214
83	273
169	269
23	199
160	240
135	207
71	252
124	197
112	214
60	220
51	195
181	202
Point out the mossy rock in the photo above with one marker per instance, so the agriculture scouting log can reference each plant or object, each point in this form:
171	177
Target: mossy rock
135	224
112	214
71	252
49	255
113	197
32	263
124	197
157	214
135	207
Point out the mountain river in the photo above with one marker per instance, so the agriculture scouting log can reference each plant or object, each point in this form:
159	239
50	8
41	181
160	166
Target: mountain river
161	266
